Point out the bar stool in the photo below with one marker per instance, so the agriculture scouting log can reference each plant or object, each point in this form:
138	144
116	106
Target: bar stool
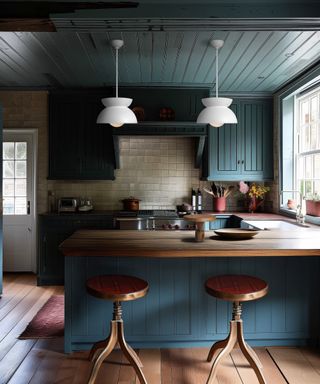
117	288
235	288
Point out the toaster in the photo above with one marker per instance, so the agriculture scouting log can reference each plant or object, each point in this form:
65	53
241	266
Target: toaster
68	204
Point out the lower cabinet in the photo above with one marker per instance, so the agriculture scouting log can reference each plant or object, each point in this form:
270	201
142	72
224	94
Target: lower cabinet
53	229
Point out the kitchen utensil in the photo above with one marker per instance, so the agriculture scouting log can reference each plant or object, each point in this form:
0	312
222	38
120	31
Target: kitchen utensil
214	189
236	233
229	190
130	204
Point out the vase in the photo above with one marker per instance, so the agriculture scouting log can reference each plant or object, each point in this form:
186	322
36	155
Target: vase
219	204
254	204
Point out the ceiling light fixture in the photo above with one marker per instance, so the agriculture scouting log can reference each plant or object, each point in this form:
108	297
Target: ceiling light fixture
216	111
116	111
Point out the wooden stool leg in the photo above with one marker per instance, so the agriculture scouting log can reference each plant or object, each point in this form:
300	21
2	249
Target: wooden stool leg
96	346
103	355
252	359
253	355
133	352
131	358
218	345
225	351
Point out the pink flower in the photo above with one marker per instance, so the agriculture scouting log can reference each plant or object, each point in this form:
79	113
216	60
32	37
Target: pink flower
243	187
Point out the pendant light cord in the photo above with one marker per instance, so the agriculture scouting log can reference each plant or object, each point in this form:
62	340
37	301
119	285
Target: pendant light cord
117	76
217	74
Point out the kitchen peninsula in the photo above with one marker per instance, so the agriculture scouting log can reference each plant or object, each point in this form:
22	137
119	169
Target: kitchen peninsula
177	312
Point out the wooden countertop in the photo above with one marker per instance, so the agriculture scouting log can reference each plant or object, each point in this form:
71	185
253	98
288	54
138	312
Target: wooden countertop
300	242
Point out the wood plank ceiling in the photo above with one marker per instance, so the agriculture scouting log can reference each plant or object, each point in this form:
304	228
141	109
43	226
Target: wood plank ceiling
250	61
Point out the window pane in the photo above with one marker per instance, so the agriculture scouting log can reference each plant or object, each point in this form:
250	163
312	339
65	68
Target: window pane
317	166
21	169
8	169
317	187
20	187
8	150
308	187
308	168
21	151
20	206
8	206
314	109
304	119
8	187
313	136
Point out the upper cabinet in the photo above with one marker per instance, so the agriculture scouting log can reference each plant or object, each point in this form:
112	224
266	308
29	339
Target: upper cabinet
79	148
243	150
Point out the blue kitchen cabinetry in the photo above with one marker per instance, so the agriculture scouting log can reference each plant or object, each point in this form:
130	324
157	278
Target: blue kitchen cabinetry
177	312
243	150
79	148
53	229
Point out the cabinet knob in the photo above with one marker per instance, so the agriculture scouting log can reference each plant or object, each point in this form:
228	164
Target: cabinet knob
238	161
242	162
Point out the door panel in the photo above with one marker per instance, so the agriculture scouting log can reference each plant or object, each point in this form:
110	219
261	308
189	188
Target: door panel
1	224
18	195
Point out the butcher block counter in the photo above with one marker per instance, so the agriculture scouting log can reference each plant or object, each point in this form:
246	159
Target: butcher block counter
176	311
300	242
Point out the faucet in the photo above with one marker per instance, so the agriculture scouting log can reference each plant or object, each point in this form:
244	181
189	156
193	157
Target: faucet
300	215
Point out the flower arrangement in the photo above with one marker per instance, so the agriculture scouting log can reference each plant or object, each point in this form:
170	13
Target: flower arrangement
255	193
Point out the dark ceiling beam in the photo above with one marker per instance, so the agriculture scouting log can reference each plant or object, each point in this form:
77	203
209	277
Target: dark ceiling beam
34	16
42	9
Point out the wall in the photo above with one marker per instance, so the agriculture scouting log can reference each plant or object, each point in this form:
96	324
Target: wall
159	171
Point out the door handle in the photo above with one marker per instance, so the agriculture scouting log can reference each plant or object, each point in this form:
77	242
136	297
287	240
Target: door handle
28	207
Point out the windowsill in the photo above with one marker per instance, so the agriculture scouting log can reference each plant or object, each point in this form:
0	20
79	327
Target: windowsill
292	213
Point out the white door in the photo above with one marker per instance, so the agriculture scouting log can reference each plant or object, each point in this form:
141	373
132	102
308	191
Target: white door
18	184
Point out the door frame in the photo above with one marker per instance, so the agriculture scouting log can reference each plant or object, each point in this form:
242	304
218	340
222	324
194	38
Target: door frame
34	167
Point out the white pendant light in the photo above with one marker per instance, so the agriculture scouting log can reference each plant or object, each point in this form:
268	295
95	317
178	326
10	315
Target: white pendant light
116	111
216	111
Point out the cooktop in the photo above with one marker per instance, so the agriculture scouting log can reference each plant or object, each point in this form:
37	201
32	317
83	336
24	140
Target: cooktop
149	213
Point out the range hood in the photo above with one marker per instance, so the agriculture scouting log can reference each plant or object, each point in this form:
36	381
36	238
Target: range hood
163	128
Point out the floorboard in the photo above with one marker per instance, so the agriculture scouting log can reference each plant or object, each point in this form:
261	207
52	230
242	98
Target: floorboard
295	367
43	361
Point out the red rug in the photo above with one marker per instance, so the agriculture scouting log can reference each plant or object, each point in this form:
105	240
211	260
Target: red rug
48	322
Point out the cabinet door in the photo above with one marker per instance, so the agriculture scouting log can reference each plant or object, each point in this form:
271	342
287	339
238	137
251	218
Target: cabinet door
97	153
79	148
52	231
256	132
66	125
225	151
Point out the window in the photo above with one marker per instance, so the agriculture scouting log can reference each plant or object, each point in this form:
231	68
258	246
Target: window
14	178
307	143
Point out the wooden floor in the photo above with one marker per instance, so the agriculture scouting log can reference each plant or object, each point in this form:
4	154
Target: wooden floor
43	361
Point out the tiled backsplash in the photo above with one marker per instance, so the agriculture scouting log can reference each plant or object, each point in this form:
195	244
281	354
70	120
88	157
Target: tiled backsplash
159	171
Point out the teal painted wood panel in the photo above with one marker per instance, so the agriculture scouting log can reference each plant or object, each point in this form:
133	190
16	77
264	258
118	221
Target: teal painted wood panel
244	150
178	312
52	230
80	56
87	152
1	219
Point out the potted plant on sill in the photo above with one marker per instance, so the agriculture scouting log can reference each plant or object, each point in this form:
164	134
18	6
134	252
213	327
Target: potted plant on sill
313	205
